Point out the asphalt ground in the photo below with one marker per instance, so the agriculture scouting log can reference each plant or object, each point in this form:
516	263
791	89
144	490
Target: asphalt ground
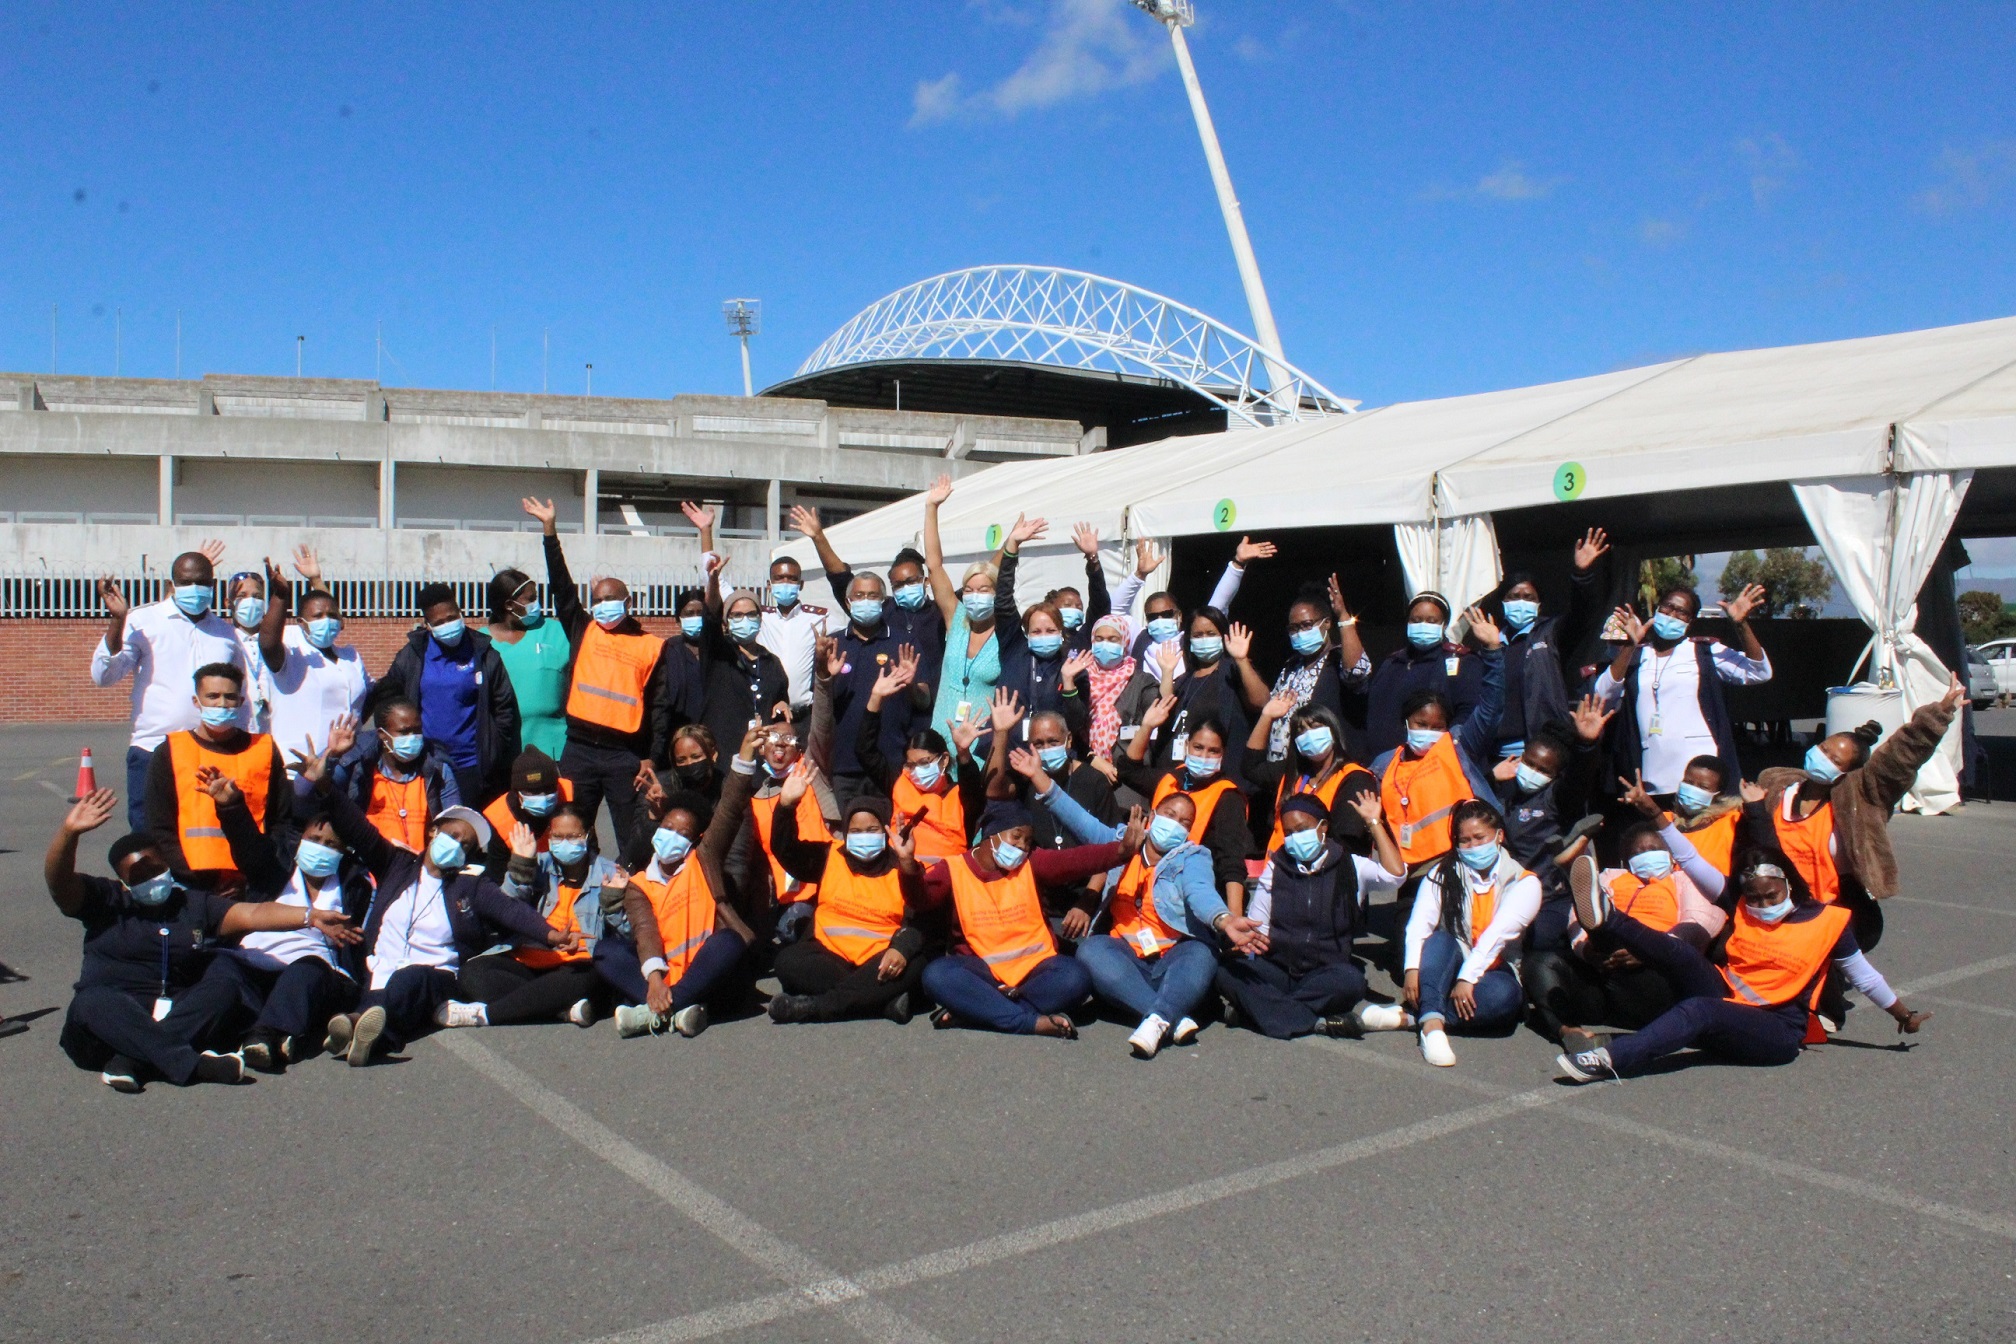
862	1180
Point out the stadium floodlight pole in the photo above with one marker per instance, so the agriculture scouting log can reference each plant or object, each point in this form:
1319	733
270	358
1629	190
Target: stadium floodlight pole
745	319
1176	15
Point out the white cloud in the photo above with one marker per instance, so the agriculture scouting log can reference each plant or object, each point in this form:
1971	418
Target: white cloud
1968	177
1661	233
1087	48
1770	161
1511	182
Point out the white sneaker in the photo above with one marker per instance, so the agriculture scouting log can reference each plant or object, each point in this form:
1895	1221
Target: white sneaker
690	1021
1147	1037
365	1034
1435	1048
1186	1031
635	1019
121	1075
582	1014
1382	1017
456	1013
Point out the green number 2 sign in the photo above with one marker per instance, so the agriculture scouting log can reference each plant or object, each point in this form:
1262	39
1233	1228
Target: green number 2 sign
1569	479
1224	515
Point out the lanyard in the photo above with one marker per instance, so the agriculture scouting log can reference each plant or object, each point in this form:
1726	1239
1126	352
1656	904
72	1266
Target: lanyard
165	931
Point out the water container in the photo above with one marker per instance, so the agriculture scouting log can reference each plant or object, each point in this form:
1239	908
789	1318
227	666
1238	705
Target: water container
1849	707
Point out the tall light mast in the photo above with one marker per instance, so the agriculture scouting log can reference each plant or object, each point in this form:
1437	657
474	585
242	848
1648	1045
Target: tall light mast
745	319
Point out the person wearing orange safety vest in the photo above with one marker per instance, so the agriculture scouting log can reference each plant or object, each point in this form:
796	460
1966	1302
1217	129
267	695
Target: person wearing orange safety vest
1315	764
534	798
1049	742
399	780
619	707
1199	771
866	952
1711	820
1004	972
779	751
1442	762
180	812
1750	998
923	785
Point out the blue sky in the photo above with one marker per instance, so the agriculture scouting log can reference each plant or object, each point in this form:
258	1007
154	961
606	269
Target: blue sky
1444	198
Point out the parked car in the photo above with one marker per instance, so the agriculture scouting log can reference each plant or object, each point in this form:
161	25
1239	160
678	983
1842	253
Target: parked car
1983	688
2001	655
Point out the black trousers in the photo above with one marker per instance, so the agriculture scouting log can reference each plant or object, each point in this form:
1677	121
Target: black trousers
104	1021
298	999
597	773
409	1000
513	992
1568	991
1282	1005
838	987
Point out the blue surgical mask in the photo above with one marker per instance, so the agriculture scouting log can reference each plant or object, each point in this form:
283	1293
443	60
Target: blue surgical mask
448	633
322	631
1420	740
1107	652
610	611
866	844
866	611
1009	856
1206	648
1302	846
1770	914
1818	767
1669	627
192	598
927	775
154	890
317	860
745	628
568	852
1480	858
447	852
670	846
1202	767
1650	865
1166	833
1530	780
533	616
691	626
538	804
1306	642
1162	629
910	597
408	746
1045	646
1073	617
1520	614
979	606
218	716
785	592
249	611
1053	758
1315	741
1692	799
1424	634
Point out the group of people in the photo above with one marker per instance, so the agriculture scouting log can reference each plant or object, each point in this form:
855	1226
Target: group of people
944	795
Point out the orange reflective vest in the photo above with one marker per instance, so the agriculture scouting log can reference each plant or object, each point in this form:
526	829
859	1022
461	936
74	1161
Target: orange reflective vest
684	907
1327	791
563	918
1771	964
1002	920
1716	842
856	916
399	811
610	674
204	848
942	833
1809	842
502	819
1654	904
1135	920
1205	798
1419	795
811	826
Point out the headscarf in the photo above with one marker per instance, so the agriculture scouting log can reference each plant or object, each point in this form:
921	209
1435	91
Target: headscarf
1107	684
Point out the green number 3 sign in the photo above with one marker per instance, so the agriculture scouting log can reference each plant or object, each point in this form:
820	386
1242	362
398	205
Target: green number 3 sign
1569	479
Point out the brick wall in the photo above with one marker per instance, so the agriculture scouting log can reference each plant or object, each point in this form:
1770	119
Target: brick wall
45	667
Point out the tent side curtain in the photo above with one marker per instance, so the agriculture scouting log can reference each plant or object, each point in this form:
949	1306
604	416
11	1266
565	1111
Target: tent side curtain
1456	557
1882	534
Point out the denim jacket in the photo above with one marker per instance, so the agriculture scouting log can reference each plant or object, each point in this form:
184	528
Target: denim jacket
1186	888
544	886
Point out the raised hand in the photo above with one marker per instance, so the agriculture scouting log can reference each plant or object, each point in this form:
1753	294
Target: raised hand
115	601
1135	835
1279	706
616	879
1626	619
310	764
1636	796
1148	557
940	491
223	789
1955	693
1024	763
1483	627
1027	529
1591	718
1087	538
796	781
806	521
1594	545
1076	666
1238	642
828	655
1506	770
1007	710
1739	608
965	732
697	514
1158	713
277	587
1249	550
648	788
1169	656
716	562
1337	605
901	843
342	735
1752	791
307	564
524	844
212	550
545	514
90	812
895	676
1368	807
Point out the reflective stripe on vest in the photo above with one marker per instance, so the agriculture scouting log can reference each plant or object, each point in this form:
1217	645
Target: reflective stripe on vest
856	916
204	848
1768	965
610	674
811	826
1327	791
1419	795
1136	922
1002	920
1809	842
942	833
399	811
684	908
1206	800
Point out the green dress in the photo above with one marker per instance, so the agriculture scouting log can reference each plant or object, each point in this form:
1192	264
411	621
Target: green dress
537	665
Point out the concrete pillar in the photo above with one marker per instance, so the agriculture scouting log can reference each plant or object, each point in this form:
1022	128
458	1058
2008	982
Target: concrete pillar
773	509
591	517
206	401
388	489
1092	440
166	504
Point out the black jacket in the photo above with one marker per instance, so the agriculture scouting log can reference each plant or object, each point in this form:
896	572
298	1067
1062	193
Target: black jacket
497	739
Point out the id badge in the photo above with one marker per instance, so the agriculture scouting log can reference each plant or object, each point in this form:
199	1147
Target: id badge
1179	748
162	1007
1652	730
1450	665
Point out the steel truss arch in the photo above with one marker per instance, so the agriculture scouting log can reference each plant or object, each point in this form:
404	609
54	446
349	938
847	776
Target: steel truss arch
1075	320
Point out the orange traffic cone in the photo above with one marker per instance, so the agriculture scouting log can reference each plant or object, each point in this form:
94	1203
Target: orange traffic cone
87	777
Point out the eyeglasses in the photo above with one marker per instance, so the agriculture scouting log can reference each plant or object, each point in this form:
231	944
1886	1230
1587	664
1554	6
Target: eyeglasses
1296	627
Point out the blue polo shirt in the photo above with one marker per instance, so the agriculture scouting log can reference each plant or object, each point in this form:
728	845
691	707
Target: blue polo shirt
449	689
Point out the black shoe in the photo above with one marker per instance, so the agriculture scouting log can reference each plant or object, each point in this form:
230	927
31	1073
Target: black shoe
898	1009
212	1067
1341	1026
941	1019
266	1051
1585	886
1230	1014
790	1007
121	1075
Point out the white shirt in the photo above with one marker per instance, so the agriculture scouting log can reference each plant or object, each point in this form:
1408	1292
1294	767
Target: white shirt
283	947
258	680
1518	902
162	650
414	932
1371	878
1671	729
793	636
311	690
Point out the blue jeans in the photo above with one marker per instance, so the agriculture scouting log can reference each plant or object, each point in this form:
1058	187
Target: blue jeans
137	761
1171	986
963	984
1498	997
617	962
1703	1017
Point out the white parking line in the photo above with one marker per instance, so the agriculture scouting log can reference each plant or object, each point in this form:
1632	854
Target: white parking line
1956	975
1968	1004
1954	905
814	1284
